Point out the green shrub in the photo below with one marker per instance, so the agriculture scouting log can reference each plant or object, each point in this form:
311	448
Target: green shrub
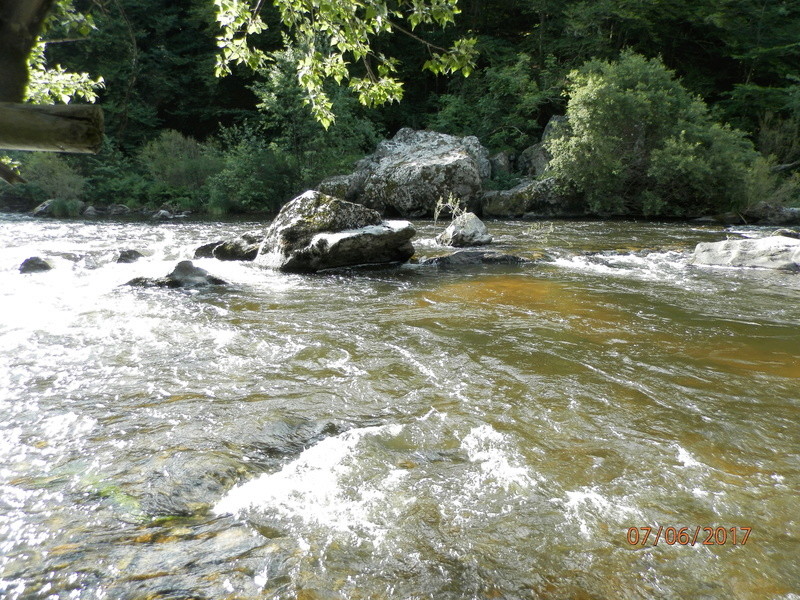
51	176
763	184
177	162
638	143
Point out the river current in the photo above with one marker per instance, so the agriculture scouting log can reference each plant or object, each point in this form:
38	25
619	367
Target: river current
398	433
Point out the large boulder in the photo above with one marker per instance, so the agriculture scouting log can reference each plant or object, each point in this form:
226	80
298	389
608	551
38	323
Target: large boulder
184	275
535	160
465	230
408	174
316	231
532	199
765	213
773	252
243	247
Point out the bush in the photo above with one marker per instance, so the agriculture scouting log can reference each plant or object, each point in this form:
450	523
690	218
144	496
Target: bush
51	176
179	164
638	143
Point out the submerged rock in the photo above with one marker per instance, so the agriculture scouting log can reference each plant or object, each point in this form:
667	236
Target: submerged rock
34	264
184	275
465	230
244	247
465	258
316	231
773	252
129	256
408	174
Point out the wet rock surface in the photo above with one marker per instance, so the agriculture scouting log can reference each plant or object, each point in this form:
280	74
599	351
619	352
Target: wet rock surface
315	231
773	252
34	264
465	230
129	256
466	258
184	275
244	247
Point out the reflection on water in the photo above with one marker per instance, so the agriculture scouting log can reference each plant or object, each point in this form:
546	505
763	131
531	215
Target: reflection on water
401	433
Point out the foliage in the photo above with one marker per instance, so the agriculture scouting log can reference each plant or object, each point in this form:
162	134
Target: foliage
180	162
451	205
780	137
763	184
51	176
638	142
257	177
53	83
331	36
501	104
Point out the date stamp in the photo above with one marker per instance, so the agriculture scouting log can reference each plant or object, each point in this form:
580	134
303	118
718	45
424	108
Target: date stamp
688	536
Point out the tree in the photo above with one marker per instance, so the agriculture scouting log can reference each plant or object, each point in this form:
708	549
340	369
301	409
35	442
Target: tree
637	142
333	37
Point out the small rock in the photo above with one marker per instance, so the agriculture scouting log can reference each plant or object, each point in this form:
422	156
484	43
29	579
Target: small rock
161	214
90	212
34	264
116	210
45	209
464	258
129	256
465	230
790	233
184	275
244	247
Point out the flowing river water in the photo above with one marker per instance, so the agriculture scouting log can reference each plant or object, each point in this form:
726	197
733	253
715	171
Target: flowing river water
398	433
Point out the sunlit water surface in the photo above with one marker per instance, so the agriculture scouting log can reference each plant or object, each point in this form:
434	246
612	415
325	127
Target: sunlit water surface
396	433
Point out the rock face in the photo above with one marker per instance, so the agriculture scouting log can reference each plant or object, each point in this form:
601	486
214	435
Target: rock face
184	275
408	174
532	199
534	160
34	264
773	252
465	230
244	247
466	258
316	231
764	213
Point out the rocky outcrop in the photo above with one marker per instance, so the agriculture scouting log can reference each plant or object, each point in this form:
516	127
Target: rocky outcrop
765	213
465	230
532	199
316	231
408	174
129	256
535	160
773	252
184	275
34	264
244	247
466	258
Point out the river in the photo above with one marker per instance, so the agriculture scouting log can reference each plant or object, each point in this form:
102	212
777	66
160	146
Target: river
398	433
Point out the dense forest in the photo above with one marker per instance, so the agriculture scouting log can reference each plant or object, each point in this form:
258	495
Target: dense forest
715	84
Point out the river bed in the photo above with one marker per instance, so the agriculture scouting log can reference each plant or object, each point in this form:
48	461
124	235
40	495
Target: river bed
398	433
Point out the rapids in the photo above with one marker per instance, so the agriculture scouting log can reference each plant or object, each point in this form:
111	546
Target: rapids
397	433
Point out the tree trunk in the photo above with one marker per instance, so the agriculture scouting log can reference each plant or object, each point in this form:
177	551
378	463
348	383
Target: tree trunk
58	128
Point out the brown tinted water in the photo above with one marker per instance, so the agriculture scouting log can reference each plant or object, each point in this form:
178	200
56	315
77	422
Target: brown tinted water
410	432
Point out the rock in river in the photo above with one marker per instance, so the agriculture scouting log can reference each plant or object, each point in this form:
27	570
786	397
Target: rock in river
465	230
316	231
244	247
408	174
466	258
773	252
184	275
34	264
